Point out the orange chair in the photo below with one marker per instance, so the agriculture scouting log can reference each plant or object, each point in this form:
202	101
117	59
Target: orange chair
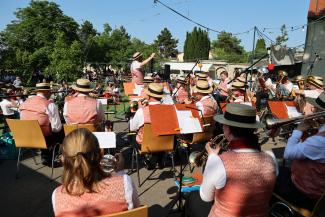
68	128
141	211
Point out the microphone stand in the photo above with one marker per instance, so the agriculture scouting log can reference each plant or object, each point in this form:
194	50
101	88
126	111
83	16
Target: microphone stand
310	70
246	71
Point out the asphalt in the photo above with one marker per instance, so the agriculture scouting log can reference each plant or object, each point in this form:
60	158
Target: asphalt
29	195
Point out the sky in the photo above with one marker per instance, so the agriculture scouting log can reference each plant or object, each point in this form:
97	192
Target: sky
144	19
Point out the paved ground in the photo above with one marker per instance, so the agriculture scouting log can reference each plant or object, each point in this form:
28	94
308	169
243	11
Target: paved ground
30	195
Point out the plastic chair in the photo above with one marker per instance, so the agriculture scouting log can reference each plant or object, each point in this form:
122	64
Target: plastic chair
141	211
28	134
68	128
152	144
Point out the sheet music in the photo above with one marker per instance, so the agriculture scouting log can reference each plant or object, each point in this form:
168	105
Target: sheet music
292	112
187	123
137	90
103	101
106	139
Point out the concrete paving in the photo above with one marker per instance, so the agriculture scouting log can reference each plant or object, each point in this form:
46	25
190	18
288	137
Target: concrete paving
30	194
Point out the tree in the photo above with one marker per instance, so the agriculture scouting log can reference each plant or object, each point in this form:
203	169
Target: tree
227	47
260	50
197	45
281	39
166	44
29	40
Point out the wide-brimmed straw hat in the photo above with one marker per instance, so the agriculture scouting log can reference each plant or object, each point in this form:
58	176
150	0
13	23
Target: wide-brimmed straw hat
82	85
155	90
282	73
136	55
239	115
201	76
202	87
238	85
148	79
298	79
43	87
181	80
319	102
316	81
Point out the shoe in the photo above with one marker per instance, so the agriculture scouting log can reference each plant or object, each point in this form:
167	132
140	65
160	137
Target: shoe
161	165
149	165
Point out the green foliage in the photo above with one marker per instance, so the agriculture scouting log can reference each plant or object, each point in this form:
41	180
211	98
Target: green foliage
227	47
281	39
197	45
166	44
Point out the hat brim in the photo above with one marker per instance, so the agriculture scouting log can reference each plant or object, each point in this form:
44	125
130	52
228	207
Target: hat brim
222	120
137	57
153	94
86	90
314	103
203	91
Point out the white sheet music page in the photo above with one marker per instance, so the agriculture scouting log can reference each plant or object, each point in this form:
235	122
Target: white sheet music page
292	112
106	139
187	123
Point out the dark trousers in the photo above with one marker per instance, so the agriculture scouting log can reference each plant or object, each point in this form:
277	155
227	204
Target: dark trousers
285	188
51	140
219	98
260	95
195	206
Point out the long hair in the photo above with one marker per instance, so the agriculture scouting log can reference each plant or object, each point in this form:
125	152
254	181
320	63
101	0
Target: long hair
81	162
247	134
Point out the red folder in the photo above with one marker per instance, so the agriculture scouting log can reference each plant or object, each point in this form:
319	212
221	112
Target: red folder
279	109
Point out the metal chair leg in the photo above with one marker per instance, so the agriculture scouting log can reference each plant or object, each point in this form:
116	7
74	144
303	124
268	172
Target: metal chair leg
173	165
53	153
18	163
137	161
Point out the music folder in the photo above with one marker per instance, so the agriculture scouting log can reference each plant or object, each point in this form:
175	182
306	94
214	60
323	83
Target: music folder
106	139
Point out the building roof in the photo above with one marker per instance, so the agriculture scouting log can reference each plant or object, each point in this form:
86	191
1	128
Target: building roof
316	9
189	65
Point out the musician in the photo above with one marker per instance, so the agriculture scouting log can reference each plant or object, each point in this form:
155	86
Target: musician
46	113
238	92
241	179
180	92
205	102
137	65
305	183
142	116
222	88
8	107
81	108
284	87
262	90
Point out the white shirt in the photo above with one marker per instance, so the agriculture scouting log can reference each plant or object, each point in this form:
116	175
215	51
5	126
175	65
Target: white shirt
5	105
100	111
214	176
138	120
130	192
312	93
312	148
135	65
288	86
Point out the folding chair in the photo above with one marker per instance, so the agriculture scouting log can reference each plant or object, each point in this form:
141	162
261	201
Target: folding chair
28	134
152	144
68	128
141	211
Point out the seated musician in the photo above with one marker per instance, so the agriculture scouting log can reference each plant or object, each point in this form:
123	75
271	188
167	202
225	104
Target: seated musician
8	107
86	189
144	97
240	180
205	102
222	88
81	108
284	87
180	93
262	89
142	116
47	114
305	183
238	92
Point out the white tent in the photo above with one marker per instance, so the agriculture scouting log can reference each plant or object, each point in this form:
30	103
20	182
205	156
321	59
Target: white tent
174	66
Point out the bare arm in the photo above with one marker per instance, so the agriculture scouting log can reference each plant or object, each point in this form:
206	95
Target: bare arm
145	62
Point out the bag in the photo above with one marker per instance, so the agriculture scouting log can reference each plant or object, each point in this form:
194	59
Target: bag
8	149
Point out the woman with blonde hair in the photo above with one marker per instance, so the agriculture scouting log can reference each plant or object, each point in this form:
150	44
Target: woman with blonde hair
86	190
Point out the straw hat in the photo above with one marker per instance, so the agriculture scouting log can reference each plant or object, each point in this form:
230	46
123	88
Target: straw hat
43	87
181	80
238	85
82	85
201	76
282	73
202	87
319	102
241	79
316	81
239	115
148	79
298	79
136	55
155	90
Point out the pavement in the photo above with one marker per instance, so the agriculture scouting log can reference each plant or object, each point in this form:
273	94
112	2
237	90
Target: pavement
30	194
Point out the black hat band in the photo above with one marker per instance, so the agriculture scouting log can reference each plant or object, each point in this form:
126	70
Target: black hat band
202	88
240	118
155	92
83	86
320	102
43	88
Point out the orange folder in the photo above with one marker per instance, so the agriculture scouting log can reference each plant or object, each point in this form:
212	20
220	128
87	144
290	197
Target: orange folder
128	88
279	109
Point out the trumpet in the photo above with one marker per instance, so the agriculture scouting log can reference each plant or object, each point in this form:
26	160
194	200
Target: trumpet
272	123
197	158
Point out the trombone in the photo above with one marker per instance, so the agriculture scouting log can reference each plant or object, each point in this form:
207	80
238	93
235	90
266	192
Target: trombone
197	158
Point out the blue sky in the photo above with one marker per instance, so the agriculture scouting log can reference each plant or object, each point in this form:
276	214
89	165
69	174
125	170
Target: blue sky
144	19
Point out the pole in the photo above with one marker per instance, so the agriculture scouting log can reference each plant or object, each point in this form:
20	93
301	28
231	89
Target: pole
252	61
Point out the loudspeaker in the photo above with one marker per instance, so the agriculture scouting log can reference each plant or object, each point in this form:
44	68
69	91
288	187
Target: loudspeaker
166	72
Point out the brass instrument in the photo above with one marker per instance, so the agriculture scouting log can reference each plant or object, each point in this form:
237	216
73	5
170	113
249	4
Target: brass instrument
272	123
199	157
108	163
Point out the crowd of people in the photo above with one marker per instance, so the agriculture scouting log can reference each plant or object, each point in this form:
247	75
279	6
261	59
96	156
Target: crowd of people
236	182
